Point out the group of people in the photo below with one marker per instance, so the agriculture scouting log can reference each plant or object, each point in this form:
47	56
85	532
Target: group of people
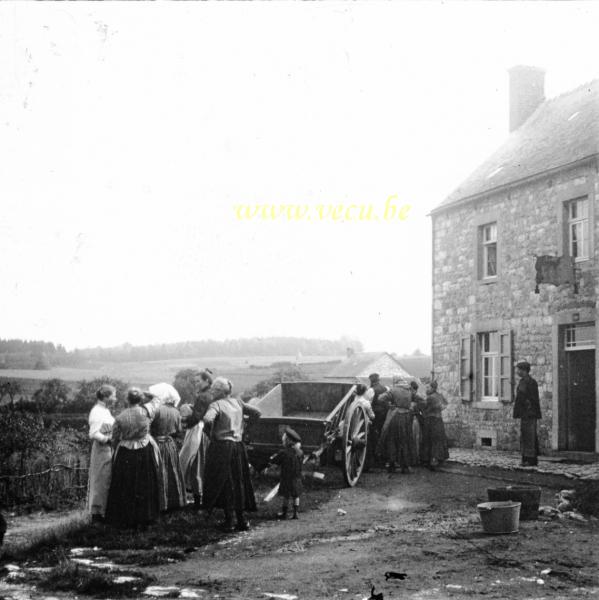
405	429
137	471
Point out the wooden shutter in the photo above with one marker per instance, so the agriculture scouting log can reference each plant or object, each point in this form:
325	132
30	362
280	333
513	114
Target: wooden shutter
466	369
506	370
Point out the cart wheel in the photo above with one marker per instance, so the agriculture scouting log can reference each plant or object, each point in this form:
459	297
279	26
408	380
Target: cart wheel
355	435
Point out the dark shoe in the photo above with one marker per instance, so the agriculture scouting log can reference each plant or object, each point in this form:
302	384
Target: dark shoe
226	526
243	525
282	514
97	519
197	501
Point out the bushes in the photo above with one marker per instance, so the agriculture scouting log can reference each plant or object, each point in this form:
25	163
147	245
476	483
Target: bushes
23	433
185	383
85	397
29	451
51	395
283	375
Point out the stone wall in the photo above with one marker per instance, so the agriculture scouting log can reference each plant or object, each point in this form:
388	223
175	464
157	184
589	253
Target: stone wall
529	223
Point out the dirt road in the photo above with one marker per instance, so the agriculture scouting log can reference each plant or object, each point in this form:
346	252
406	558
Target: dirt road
424	524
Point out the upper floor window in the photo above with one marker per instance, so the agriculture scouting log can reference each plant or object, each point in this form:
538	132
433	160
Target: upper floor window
578	228
488	238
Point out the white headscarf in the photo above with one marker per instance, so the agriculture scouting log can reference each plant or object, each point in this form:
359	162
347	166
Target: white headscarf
166	393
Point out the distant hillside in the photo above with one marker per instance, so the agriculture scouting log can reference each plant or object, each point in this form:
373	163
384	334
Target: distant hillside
270	346
40	355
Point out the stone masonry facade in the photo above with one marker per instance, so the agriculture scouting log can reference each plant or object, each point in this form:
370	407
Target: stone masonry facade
529	220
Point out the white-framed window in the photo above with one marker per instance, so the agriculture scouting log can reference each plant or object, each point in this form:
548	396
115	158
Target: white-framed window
486	367
579	337
489	357
578	228
488	238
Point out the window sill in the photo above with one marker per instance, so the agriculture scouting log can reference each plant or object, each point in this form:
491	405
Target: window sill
584	265
487	280
488	404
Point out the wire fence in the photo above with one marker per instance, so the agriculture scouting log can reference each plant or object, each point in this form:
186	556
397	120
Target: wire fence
55	486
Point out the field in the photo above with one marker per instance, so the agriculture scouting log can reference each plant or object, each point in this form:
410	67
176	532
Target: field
244	372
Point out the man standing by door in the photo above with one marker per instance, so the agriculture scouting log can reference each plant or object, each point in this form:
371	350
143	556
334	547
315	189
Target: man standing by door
527	408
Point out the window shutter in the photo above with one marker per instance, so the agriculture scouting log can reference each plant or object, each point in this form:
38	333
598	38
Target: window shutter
506	370
466	369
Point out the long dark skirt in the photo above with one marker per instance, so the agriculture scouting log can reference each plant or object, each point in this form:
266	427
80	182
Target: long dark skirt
227	482
173	487
395	443
2	528
434	441
134	497
529	442
416	441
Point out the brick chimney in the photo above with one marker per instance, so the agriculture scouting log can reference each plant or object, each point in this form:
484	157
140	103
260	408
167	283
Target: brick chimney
527	91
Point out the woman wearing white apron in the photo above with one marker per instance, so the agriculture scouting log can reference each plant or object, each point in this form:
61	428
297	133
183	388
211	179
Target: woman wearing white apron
192	455
100	463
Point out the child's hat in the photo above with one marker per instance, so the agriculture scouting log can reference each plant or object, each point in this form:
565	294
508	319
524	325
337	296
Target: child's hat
292	435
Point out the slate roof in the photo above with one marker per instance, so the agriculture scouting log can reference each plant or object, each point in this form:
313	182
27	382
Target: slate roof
561	131
359	362
418	366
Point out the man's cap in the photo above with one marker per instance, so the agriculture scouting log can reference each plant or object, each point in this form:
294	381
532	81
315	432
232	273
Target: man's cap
523	364
292	435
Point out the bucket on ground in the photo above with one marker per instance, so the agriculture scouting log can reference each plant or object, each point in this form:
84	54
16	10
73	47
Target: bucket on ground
528	495
500	517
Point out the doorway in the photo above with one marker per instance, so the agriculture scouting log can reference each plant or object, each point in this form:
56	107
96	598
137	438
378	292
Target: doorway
579	412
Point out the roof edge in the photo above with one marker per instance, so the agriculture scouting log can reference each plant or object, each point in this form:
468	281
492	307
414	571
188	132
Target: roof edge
466	199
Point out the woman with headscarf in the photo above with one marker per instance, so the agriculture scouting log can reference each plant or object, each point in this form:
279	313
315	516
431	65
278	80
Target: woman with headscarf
435	440
134	498
227	482
100	462
166	424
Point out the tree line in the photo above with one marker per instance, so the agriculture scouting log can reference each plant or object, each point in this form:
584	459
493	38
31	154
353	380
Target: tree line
24	354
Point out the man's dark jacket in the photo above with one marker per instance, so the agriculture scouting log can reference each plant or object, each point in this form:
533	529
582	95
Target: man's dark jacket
380	406
527	405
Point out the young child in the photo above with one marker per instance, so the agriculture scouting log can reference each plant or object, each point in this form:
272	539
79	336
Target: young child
290	461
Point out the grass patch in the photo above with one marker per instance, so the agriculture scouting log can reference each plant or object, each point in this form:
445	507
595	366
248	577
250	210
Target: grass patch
67	577
40	539
145	558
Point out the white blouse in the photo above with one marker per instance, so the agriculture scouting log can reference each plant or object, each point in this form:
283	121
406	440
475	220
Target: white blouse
99	417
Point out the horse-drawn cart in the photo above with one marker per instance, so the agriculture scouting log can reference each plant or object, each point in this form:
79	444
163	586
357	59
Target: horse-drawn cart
332	425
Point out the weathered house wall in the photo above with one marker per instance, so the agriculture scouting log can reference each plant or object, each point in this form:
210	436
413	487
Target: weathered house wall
529	222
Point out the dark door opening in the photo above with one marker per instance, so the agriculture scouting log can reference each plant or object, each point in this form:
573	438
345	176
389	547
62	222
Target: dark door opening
580	401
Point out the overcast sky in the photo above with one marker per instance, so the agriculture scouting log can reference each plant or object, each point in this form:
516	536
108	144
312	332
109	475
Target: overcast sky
130	131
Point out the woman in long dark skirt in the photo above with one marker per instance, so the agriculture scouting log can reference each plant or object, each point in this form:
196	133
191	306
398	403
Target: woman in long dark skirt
227	482
134	495
395	443
435	440
166	424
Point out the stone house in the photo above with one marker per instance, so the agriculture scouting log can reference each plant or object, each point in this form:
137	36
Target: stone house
496	302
